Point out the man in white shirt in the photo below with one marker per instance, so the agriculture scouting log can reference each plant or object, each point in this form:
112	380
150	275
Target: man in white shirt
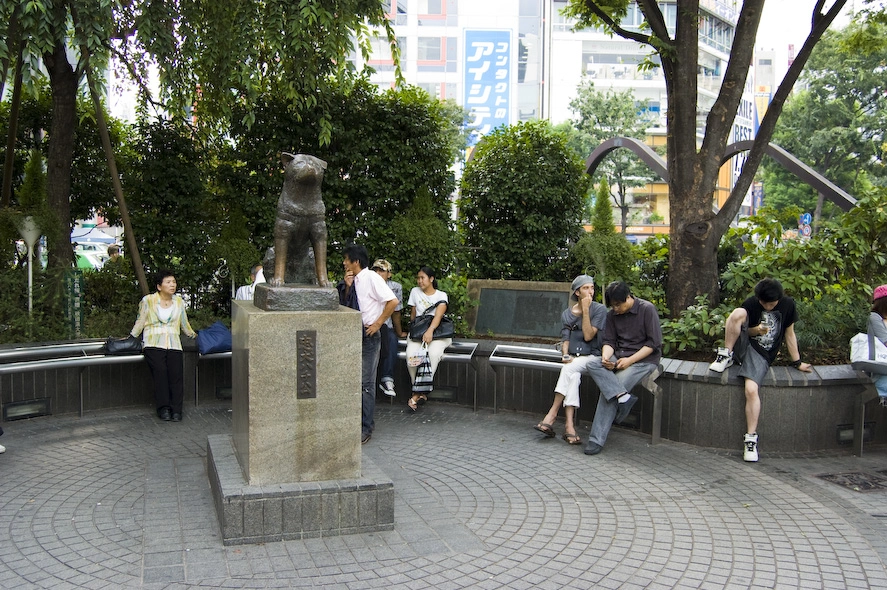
256	276
377	302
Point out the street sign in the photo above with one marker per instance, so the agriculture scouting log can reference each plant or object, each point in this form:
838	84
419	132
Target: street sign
806	230
806	219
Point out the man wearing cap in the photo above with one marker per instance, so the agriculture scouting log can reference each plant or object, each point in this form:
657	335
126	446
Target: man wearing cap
391	330
763	321
632	347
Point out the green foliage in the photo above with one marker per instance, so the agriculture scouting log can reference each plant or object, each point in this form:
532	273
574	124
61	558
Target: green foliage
699	328
602	216
169	205
835	124
47	320
521	202
603	115
651	270
421	238
225	56
111	298
386	152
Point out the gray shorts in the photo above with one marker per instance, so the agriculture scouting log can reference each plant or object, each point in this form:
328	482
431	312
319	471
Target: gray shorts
754	366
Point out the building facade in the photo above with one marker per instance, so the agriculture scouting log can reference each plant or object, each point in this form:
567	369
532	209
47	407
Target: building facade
516	60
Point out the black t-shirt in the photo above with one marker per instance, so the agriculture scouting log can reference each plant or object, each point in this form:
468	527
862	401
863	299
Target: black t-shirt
778	320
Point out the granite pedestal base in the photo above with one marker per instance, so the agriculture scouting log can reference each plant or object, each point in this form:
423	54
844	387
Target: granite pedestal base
296	399
283	512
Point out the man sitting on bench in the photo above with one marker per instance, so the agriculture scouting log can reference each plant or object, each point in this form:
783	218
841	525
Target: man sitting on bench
633	347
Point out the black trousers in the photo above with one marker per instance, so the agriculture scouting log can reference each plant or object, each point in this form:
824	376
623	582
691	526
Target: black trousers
168	370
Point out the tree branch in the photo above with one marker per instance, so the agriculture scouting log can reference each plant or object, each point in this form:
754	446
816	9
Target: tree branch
821	22
614	26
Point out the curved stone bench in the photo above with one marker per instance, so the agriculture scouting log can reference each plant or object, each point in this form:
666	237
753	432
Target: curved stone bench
799	411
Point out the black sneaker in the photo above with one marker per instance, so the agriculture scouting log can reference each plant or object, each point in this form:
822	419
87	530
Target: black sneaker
625	408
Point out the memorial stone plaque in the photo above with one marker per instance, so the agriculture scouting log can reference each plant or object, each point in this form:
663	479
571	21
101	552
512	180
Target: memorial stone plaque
306	368
517	312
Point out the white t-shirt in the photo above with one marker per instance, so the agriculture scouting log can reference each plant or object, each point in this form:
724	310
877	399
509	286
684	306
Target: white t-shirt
422	301
372	295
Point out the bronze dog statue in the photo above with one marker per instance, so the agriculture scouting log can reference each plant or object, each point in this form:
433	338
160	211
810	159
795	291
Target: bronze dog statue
300	218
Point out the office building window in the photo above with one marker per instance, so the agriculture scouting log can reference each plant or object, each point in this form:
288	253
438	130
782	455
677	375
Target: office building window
437	13
439	90
396	11
437	54
381	59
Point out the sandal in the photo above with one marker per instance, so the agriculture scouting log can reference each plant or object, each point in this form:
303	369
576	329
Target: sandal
572	438
412	404
545	429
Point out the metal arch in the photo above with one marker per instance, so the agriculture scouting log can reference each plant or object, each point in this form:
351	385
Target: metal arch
643	151
820	183
823	185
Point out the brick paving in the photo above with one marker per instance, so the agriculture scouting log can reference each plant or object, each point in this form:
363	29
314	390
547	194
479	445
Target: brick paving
119	499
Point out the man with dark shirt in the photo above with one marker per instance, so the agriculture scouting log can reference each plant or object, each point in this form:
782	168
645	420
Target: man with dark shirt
632	347
763	321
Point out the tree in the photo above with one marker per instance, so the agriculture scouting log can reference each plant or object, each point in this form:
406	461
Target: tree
605	115
521	202
836	123
387	151
693	170
216	56
602	252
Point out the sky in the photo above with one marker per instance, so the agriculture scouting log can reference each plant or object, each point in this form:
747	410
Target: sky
788	21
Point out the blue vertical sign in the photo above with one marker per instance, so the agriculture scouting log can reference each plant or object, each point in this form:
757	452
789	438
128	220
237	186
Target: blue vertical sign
488	79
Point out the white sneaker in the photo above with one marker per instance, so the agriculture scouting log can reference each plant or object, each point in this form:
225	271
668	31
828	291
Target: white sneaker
2	449
751	448
724	360
387	388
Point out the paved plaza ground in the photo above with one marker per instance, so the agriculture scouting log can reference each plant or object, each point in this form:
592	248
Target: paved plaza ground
119	499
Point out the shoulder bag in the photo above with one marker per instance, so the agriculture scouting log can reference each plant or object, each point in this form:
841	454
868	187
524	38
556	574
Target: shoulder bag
578	345
118	346
420	325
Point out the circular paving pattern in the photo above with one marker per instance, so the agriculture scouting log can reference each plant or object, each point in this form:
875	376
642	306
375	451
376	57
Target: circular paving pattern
121	500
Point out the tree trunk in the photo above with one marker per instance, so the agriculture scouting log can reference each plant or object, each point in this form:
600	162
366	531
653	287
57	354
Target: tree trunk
63	83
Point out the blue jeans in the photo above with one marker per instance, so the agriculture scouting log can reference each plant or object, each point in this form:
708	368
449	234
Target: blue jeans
369	363
881	384
608	405
389	354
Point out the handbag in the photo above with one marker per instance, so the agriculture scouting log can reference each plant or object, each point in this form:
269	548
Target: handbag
216	338
420	325
578	345
867	353
119	346
423	383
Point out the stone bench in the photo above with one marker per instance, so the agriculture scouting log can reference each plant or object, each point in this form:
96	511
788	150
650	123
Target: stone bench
800	412
549	359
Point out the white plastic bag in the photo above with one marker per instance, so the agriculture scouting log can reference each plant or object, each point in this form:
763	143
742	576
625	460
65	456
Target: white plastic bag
868	354
418	357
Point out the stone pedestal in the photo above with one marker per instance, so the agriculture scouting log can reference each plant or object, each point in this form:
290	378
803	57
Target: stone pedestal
296	413
296	394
